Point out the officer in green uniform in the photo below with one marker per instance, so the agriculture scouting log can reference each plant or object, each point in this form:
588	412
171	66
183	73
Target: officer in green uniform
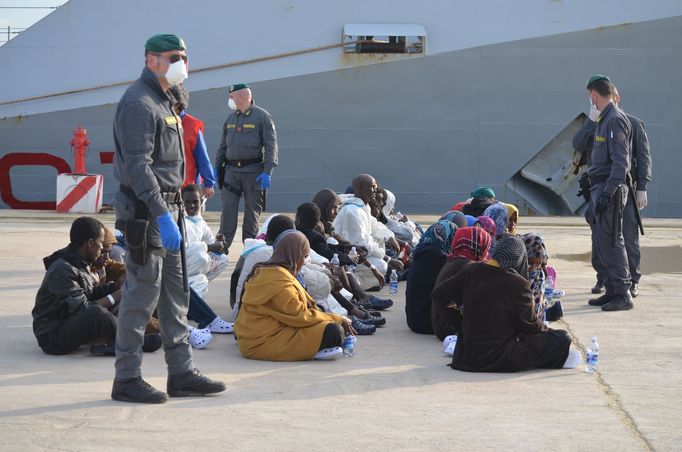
150	167
245	159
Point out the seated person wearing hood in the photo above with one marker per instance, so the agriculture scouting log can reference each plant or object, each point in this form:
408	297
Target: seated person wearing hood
206	253
356	224
255	252
500	330
404	229
278	320
70	308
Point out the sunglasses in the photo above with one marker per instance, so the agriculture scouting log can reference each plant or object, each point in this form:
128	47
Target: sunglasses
173	58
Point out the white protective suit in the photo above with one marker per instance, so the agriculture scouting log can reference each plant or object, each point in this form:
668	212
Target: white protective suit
356	224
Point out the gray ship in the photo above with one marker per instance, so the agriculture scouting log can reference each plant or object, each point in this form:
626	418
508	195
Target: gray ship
433	98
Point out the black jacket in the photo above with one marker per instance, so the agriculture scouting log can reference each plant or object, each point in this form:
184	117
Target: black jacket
67	288
319	244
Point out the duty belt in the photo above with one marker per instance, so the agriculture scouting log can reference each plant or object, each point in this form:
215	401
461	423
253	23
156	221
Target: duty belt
598	179
240	163
169	197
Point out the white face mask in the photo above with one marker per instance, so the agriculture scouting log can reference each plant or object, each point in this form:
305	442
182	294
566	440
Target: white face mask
231	104
176	73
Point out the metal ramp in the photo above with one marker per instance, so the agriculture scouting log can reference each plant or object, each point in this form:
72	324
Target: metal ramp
547	182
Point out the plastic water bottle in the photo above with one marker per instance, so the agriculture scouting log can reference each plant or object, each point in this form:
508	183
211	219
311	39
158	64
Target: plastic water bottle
393	283
335	260
592	356
349	345
353	253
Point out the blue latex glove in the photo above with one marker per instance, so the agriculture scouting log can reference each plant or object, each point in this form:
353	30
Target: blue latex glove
170	233
264	179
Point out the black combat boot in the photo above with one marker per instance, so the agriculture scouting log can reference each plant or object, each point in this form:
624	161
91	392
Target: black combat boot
136	390
192	383
620	302
634	290
598	288
601	301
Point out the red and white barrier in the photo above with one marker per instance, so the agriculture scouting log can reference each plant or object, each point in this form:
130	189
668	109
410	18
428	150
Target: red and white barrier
79	193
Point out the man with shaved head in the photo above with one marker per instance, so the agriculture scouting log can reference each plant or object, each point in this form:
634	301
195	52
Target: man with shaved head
356	224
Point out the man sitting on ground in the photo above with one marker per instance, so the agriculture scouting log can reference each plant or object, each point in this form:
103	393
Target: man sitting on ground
356	224
70	310
206	256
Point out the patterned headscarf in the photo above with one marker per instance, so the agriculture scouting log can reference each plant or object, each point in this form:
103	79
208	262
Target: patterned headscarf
471	220
488	224
483	192
510	253
471	243
498	213
456	217
512	213
535	247
440	233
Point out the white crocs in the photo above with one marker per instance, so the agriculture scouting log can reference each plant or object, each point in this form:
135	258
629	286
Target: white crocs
449	340
450	349
199	338
220	326
574	359
329	353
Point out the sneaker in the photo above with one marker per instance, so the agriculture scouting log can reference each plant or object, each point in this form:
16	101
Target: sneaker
108	349
136	390
573	360
220	326
598	288
152	342
192	383
619	303
634	290
329	353
199	338
601	301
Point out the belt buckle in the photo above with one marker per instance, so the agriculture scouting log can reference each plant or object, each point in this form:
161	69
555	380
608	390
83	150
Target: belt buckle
239	164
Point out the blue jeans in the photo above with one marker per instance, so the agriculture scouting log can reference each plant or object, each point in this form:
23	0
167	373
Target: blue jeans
199	310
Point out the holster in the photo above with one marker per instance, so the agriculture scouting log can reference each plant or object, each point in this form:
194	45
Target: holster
221	175
136	240
585	185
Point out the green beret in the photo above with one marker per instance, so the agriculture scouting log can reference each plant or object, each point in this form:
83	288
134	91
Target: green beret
595	78
237	87
483	192
164	43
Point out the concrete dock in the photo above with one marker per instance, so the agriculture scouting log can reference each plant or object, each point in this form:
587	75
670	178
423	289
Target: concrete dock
396	393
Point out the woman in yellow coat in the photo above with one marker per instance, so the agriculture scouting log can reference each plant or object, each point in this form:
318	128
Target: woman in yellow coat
278	320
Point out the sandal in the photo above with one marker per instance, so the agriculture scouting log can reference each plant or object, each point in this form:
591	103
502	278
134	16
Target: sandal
329	353
363	329
199	338
379	304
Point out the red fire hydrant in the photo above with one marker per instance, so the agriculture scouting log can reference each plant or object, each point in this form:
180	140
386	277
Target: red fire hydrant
79	145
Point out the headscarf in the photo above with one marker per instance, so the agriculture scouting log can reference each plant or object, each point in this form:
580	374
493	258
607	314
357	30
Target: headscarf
456	217
440	234
288	249
498	213
483	192
459	206
390	203
512	212
325	199
471	221
510	253
535	247
488	224
471	243
477	206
